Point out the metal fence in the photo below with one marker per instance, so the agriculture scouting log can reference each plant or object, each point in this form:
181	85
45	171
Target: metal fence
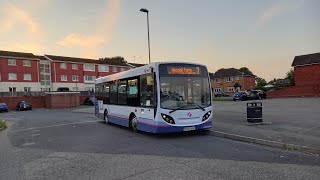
39	93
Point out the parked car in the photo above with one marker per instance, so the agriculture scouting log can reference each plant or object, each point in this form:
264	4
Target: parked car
23	105
221	94
241	95
3	107
257	94
89	101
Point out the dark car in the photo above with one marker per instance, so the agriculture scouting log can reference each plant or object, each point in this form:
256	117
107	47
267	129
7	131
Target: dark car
89	101
241	95
257	94
3	107
23	105
221	94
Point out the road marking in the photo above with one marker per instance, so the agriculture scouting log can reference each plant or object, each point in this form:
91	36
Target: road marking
28	144
309	129
57	125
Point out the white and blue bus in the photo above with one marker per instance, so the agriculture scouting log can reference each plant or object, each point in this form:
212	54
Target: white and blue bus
160	97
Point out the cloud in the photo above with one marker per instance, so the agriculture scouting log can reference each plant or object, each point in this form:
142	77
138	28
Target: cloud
17	16
91	43
25	47
74	39
277	10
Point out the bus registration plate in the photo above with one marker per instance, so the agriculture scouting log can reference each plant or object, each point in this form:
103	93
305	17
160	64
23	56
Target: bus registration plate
191	128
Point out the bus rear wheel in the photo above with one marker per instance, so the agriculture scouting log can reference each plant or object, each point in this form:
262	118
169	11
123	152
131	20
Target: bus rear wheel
106	117
134	123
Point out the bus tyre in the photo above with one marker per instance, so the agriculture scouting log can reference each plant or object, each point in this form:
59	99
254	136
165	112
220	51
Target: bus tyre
106	117
134	123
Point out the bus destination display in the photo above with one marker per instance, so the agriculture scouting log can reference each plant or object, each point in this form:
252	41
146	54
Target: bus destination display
184	70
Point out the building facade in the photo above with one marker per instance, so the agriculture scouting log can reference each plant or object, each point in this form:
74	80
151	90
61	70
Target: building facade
306	76
231	80
28	72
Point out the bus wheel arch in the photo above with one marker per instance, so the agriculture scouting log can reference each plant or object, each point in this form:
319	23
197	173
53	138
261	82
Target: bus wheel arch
133	122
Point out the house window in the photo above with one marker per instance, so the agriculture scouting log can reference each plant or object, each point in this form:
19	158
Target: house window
114	68
75	66
89	79
88	88
27	89
229	79
89	67
27	77
12	62
230	89
64	78
26	63
75	78
12	89
217	90
103	68
63	66
12	76
237	78
122	69
217	80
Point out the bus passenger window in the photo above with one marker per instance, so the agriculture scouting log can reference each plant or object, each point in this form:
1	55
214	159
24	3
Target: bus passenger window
132	91
146	87
122	92
113	93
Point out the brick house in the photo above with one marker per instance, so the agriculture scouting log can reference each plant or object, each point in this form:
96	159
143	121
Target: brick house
306	75
18	71
78	74
307	70
21	71
231	80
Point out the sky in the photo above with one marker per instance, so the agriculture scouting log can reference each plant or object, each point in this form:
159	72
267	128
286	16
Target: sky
264	36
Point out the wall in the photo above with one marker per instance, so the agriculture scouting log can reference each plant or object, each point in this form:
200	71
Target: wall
36	101
62	100
307	75
295	91
51	102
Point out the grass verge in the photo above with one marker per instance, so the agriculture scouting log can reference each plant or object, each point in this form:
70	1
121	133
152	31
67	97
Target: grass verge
2	125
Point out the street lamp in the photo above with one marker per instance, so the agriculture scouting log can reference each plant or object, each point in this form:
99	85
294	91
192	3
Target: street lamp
147	11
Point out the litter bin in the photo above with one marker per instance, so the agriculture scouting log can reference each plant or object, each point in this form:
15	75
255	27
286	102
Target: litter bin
254	112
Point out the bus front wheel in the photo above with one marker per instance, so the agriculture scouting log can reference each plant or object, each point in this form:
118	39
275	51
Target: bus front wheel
134	123
106	117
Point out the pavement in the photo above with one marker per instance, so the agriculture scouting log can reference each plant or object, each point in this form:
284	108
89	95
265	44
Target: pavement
291	121
68	144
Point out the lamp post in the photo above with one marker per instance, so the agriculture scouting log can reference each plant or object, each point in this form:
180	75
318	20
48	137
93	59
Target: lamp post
147	11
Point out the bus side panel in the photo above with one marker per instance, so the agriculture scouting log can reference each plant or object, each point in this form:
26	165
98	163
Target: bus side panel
145	119
145	124
119	114
96	111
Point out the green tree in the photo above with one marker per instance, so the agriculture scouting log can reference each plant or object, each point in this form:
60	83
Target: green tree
261	83
290	76
114	60
245	70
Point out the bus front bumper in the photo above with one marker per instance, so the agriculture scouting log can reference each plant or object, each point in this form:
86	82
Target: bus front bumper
162	127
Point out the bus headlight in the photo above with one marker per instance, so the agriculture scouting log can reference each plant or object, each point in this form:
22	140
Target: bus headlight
206	116
167	118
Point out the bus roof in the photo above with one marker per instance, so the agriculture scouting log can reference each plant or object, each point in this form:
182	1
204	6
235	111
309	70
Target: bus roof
138	71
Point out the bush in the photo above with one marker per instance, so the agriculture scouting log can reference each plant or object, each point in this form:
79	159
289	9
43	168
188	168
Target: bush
3	124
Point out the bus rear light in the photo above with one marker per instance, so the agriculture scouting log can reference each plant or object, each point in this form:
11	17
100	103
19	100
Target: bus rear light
167	118
206	116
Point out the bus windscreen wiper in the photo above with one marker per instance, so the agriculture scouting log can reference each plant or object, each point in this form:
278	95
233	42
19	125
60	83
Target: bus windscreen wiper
179	108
